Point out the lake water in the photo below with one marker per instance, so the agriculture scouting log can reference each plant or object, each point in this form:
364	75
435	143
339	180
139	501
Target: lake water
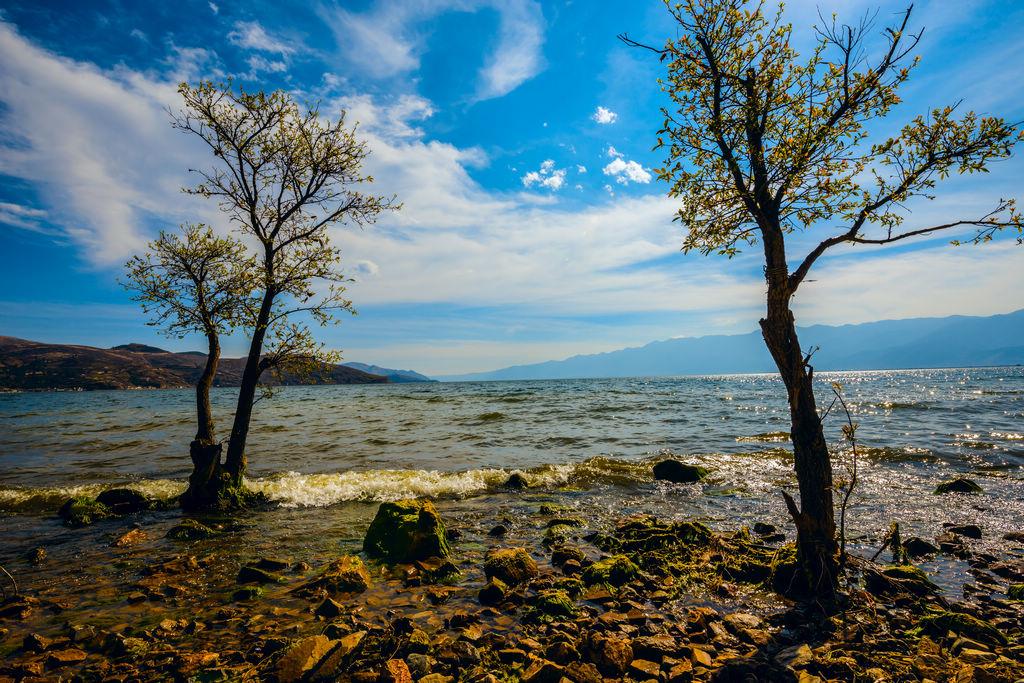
324	446
327	455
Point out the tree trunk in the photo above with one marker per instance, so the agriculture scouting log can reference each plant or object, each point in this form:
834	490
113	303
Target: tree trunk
206	479
234	463
815	518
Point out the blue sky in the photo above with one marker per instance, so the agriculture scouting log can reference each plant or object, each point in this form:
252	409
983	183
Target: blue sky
518	135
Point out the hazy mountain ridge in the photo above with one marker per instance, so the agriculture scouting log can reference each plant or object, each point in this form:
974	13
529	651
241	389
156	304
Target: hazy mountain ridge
888	344
397	376
28	365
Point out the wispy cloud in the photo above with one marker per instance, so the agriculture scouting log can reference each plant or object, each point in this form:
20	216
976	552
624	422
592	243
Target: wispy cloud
251	35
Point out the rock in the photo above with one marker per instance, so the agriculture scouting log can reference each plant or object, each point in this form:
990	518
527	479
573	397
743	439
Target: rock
764	529
612	571
678	472
795	657
552	605
562	652
466	652
336	662
270	564
512	655
419	664
405	531
968	530
303	658
328	609
124	501
958	485
347	574
918	547
512	566
611	654
1015	536
438	570
899	578
742	669
642	670
740	621
247	593
61	658
129	538
395	671
37	555
1016	591
250	573
562	554
436	678
493	592
82	511
964	625
498	531
34	642
541	671
516	482
190	530
700	657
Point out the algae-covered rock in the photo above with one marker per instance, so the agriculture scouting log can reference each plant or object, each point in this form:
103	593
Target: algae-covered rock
679	472
82	511
611	571
302	658
247	593
918	547
493	592
958	485
516	482
1016	591
511	565
124	501
558	533
405	531
563	554
190	530
551	605
345	575
964	625
899	579
572	586
251	573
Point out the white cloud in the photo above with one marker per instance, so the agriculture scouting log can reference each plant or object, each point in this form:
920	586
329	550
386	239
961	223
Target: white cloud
388	39
214	8
625	172
258	63
20	216
580	168
602	115
612	152
97	145
548	176
252	36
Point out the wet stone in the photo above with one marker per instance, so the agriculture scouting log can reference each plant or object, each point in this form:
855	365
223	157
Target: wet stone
966	530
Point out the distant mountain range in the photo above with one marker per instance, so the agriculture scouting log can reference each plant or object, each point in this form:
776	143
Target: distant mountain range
955	341
397	376
27	365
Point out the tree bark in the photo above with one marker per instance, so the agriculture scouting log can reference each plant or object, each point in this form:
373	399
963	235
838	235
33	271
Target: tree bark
234	463
815	518
205	481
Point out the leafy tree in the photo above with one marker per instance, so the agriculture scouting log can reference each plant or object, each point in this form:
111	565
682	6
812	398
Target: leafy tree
762	144
283	175
195	283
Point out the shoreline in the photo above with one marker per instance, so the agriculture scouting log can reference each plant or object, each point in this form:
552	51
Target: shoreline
128	603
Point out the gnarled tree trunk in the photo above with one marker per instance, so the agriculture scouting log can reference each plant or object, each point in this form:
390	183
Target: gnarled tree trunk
815	517
207	474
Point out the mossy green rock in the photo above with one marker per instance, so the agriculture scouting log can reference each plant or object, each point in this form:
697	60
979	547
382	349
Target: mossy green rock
493	592
250	573
405	531
1016	592
347	574
82	511
512	566
124	501
611	571
551	605
572	586
964	625
247	593
911	576
958	485
190	530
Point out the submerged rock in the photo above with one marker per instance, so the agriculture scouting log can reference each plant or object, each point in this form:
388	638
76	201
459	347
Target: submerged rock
405	531
958	485
516	482
918	547
82	511
679	472
345	575
124	501
512	566
190	530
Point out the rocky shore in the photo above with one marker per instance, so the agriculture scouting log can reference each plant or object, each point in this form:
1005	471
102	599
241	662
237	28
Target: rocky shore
547	599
